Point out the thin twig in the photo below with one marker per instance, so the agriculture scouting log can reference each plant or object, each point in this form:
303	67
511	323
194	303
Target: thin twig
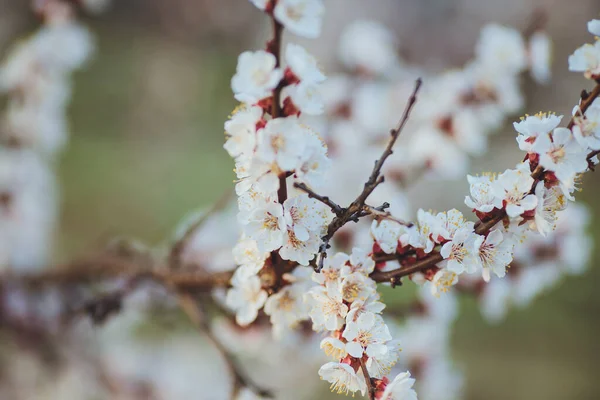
381	214
356	209
337	210
370	388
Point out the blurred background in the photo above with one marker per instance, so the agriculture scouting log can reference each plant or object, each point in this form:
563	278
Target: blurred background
147	134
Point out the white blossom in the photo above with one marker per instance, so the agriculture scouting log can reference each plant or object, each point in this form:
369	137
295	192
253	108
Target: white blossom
368	334
586	59
328	310
246	296
301	17
256	76
343	378
266	225
586	129
511	191
495	254
594	27
460	252
241	131
334	348
282	141
400	388
561	154
306	97
550	201
532	126
482	193
303	64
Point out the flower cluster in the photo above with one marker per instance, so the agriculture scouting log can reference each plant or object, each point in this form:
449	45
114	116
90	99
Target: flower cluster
35	76
346	304
270	144
270	138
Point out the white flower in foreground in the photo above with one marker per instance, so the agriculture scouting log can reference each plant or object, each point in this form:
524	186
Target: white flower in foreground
460	252
482	195
587	127
380	365
328	311
334	348
266	225
330	274
357	286
370	305
561	154
511	190
343	378
442	281
282	141
301	251
368	334
495	254
303	64
305	215
306	97
501	49
286	308
301	17
540	57
241	131
400	388
429	229
586	59
260	4
315	162
368	46
450	222
246	296
550	201
532	126
360	262
256	76
386	234
594	27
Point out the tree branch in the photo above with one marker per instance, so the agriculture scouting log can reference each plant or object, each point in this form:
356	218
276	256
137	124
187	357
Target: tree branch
354	211
370	388
481	228
197	317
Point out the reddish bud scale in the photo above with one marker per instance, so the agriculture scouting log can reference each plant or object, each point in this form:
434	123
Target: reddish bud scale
534	160
289	77
446	125
379	386
289	108
261	124
270	7
266	104
550	179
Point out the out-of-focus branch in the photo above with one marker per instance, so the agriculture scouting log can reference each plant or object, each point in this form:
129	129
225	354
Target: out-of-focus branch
113	267
198	318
